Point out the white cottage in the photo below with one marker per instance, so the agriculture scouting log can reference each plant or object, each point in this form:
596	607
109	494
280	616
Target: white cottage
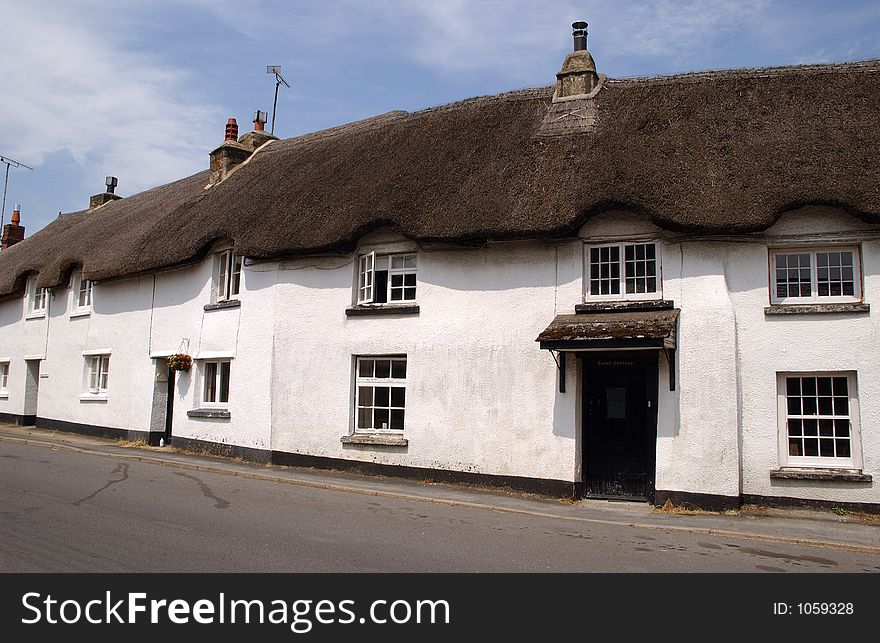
651	287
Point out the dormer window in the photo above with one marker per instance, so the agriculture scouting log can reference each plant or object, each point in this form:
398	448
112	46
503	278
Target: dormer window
227	281
82	294
37	299
386	279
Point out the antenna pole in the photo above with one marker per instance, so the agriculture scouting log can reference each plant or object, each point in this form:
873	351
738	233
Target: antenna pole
275	103
5	182
9	162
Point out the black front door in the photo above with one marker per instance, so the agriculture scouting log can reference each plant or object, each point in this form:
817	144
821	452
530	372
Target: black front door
169	406
620	424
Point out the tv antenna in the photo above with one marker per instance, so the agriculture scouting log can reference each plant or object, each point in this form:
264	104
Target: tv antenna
275	69
9	163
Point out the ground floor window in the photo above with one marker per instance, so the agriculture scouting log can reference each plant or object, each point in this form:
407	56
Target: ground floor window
99	373
4	376
215	389
380	393
819	419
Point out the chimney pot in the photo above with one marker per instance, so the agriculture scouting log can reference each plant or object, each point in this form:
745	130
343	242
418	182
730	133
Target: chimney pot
259	121
580	35
16	214
13	232
111	182
231	130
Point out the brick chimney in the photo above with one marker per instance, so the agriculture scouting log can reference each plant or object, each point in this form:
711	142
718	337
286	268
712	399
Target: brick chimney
229	155
256	138
578	75
13	232
107	195
234	151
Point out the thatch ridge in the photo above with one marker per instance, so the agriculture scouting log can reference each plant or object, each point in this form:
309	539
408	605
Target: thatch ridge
715	152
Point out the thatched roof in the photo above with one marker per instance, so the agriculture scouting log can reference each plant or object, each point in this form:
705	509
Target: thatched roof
708	152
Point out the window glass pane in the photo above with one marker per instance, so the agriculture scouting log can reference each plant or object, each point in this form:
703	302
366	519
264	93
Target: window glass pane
224	381
794	427
365	368
210	381
811	447
826	427
409	279
409	294
843	450
398	396
826	448
398	368
795	447
825	406
793	385
397	419
841	428
381	395
396	280
841	406
383	368
365	396
811	427
381	419
236	275
809	406
794	406
808	385
365	418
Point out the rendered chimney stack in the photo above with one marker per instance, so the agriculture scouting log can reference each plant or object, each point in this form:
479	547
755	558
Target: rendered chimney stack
108	195
231	130
578	75
13	232
259	136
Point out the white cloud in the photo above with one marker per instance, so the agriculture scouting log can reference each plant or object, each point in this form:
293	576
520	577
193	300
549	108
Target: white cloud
73	84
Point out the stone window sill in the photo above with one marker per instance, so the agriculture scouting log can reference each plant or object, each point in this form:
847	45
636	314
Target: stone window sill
4	395
815	309
230	303
376	439
609	306
833	475
81	313
35	316
382	309
93	397
221	414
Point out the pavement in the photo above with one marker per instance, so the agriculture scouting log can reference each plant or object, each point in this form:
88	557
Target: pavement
813	528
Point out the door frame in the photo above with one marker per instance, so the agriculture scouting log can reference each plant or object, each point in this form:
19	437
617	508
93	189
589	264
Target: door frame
649	360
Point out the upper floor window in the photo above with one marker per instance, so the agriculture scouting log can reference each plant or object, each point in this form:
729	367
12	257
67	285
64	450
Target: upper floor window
818	275
4	377
227	282
37	299
386	279
624	271
82	292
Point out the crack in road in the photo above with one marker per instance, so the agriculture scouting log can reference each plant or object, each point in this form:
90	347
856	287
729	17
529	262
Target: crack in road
120	468
219	503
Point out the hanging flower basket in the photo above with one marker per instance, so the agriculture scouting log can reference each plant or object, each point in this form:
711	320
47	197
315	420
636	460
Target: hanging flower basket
180	362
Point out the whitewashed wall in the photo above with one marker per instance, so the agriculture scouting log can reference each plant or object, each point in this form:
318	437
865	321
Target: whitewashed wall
481	395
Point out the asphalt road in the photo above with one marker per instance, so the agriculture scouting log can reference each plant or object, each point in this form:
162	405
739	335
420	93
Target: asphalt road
64	512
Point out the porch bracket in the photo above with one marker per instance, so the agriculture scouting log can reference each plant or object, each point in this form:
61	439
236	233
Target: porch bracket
559	358
670	358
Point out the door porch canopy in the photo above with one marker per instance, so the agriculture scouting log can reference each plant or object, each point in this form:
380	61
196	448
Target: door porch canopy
610	330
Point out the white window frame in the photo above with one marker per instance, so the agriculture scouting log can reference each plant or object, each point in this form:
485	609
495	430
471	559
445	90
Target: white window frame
4	376
82	287
854	461
814	297
227	275
97	373
373	382
369	263
38	299
217	387
623	295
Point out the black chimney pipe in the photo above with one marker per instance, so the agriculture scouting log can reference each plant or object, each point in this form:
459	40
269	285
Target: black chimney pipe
580	35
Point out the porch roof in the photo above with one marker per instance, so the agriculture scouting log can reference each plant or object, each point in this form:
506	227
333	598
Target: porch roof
612	330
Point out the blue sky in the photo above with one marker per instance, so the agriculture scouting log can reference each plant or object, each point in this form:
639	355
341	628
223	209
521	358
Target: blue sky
141	89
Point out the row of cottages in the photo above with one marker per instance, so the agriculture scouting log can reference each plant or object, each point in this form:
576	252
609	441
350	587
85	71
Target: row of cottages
657	287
